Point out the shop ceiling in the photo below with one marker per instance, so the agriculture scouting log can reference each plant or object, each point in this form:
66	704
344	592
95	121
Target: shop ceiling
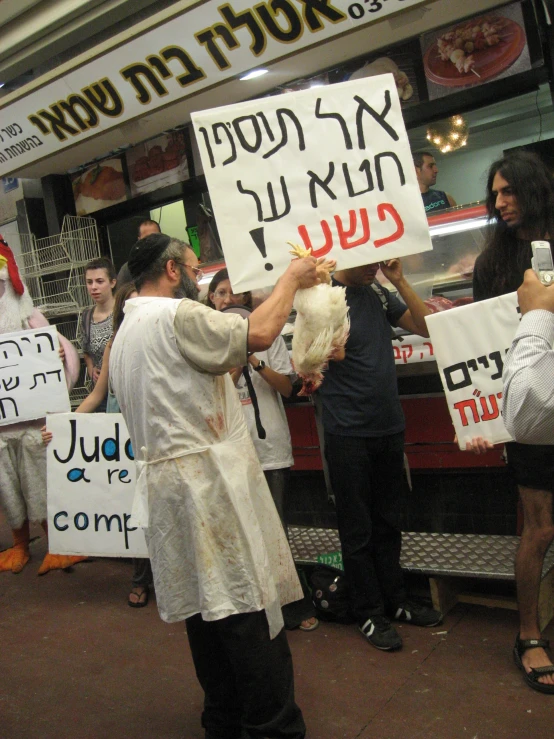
58	37
525	110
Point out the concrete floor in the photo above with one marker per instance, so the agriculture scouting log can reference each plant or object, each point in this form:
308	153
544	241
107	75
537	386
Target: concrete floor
77	663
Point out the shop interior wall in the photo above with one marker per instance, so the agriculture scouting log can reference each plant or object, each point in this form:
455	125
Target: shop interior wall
463	173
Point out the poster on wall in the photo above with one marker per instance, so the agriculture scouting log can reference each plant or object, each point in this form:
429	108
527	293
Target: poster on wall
11	191
90	486
99	187
484	48
329	169
157	163
403	62
471	367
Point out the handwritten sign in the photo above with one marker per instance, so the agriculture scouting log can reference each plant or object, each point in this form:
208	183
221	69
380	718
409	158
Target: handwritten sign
32	380
91	484
470	344
328	168
190	52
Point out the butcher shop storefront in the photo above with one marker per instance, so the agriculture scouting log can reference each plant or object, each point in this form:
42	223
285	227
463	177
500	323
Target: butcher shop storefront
110	138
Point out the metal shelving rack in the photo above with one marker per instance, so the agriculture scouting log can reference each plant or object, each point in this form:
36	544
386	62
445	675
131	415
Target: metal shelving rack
53	271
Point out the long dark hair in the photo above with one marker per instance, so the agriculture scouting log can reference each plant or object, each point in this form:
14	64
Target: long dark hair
219	277
505	256
121	296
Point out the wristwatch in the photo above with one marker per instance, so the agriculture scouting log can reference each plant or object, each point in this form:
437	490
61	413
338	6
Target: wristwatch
260	366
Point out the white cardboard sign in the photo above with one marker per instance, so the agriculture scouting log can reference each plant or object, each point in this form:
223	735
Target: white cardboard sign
91	485
32	379
328	168
470	344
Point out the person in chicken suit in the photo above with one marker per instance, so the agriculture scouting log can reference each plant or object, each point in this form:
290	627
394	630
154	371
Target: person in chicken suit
22	453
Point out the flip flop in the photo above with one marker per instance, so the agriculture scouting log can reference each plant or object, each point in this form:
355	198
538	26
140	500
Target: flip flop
143	596
309	627
532	677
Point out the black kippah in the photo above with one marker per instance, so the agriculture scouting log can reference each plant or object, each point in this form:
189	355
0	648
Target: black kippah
146	251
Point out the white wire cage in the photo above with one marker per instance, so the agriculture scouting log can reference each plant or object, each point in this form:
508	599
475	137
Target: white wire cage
76	245
62	295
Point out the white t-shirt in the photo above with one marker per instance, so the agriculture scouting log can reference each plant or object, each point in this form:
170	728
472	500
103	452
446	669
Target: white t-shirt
275	451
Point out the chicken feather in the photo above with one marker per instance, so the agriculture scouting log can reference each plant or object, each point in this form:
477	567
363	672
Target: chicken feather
321	328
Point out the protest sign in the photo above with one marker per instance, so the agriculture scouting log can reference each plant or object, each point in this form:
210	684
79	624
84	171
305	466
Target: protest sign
32	380
91	485
328	168
470	344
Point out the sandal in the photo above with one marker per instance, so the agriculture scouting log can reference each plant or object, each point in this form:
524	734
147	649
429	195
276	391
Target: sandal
143	593
532	677
309	624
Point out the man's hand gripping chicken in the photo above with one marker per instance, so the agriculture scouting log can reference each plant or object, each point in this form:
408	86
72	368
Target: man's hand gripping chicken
322	325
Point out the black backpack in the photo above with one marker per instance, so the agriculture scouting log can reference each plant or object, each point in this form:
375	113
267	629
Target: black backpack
330	594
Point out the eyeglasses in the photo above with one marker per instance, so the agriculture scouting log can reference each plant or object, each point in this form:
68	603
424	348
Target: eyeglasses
196	270
222	294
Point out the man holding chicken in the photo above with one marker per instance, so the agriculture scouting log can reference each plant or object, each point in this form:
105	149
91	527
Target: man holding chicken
364	448
219	554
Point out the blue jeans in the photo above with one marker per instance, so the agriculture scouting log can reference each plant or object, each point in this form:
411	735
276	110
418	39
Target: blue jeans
367	477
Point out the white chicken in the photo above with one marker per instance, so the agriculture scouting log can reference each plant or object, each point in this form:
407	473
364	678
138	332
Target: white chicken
321	328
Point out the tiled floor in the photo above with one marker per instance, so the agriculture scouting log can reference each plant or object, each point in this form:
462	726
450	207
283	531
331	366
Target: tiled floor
77	663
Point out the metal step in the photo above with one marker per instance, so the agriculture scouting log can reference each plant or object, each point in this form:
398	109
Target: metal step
457	555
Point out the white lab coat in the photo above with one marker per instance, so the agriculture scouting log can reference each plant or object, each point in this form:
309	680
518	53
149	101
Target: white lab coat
214	536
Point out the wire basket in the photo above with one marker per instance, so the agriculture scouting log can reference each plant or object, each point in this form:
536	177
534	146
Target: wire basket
76	245
56	299
78	289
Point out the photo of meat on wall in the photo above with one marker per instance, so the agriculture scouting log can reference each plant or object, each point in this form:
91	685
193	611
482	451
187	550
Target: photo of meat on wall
402	61
157	163
99	186
481	49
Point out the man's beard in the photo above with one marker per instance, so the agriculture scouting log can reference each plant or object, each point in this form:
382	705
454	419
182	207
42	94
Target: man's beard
187	287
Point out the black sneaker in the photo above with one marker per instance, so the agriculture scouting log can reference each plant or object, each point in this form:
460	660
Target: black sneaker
379	632
416	614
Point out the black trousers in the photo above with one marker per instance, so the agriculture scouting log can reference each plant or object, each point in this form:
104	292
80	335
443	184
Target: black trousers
247	678
142	572
367	477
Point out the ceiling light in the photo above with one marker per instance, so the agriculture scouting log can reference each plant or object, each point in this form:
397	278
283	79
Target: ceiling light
253	74
448	135
316	84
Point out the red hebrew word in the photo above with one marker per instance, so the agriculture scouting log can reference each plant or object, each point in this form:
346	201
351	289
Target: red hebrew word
344	235
382	210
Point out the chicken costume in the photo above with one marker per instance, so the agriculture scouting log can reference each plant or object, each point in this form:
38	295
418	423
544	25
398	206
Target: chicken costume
22	453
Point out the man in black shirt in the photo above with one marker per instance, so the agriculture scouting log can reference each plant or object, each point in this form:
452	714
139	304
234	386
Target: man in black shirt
364	448
426	172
